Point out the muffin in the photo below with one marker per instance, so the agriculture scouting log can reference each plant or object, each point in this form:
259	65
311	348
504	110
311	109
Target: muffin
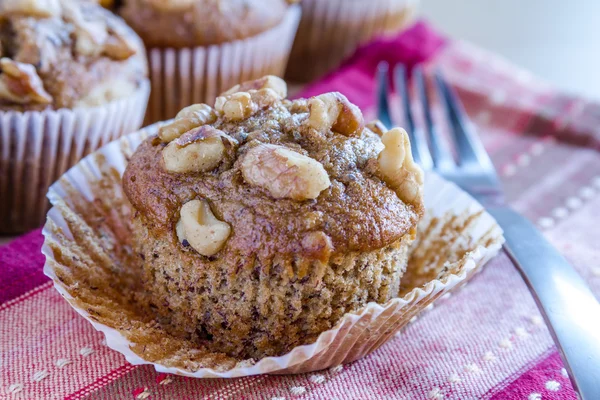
199	48
72	77
330	30
262	221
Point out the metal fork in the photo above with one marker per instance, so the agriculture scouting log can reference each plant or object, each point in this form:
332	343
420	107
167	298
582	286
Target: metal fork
568	306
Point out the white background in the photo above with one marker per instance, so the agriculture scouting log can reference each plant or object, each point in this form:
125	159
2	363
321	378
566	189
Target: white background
558	40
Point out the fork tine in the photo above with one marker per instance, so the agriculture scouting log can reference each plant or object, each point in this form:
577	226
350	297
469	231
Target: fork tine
383	90
470	149
440	154
420	150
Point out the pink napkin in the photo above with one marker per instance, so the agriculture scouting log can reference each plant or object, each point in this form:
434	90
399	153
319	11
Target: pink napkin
486	341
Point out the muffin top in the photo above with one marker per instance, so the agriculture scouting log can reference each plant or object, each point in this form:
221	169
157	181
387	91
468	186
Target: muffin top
260	175
65	54
190	23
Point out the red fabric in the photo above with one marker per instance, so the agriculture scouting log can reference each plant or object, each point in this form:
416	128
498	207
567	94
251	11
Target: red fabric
485	341
543	381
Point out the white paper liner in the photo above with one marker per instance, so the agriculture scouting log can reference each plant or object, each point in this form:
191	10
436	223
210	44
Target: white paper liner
37	147
330	30
354	336
181	77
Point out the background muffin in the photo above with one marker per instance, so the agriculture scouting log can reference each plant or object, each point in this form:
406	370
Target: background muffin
199	48
262	221
330	30
72	77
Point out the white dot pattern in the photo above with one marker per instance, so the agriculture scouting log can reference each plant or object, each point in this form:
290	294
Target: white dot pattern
40	375
546	222
298	390
317	378
552	386
435	394
534	396
15	388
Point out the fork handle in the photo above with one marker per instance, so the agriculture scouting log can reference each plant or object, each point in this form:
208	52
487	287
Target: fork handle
570	309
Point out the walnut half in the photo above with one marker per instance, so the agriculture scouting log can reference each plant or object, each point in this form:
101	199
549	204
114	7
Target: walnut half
398	169
199	228
284	173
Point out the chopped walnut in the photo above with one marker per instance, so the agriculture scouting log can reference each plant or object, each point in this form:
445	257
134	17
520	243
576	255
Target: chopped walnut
201	149
199	228
334	111
284	173
317	245
187	119
244	100
20	83
272	82
398	169
97	37
377	127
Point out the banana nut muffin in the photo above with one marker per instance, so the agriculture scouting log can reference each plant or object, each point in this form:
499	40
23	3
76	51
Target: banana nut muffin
190	23
262	221
65	54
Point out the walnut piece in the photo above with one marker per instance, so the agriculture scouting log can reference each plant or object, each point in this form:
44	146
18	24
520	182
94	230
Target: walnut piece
188	118
272	82
244	100
20	83
398	169
317	245
284	173
236	106
34	8
95	37
333	111
376	127
201	149
199	228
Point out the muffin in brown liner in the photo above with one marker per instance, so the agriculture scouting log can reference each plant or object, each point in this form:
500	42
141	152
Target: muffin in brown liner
263	235
330	30
88	247
261	221
73	77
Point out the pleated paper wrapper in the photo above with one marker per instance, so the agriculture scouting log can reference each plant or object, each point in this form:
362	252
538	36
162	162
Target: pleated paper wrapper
330	31
185	76
37	147
88	229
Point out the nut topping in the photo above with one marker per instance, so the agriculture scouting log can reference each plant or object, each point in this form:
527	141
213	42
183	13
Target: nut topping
398	168
284	173
243	100
236	106
317	245
334	111
187	119
272	82
20	83
199	227
199	150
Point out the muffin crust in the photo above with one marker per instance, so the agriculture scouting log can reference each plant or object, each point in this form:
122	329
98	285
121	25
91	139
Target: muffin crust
190	23
297	223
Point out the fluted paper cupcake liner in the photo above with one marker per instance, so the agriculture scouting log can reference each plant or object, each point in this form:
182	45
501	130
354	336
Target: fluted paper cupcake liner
330	30
89	258
37	147
181	77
